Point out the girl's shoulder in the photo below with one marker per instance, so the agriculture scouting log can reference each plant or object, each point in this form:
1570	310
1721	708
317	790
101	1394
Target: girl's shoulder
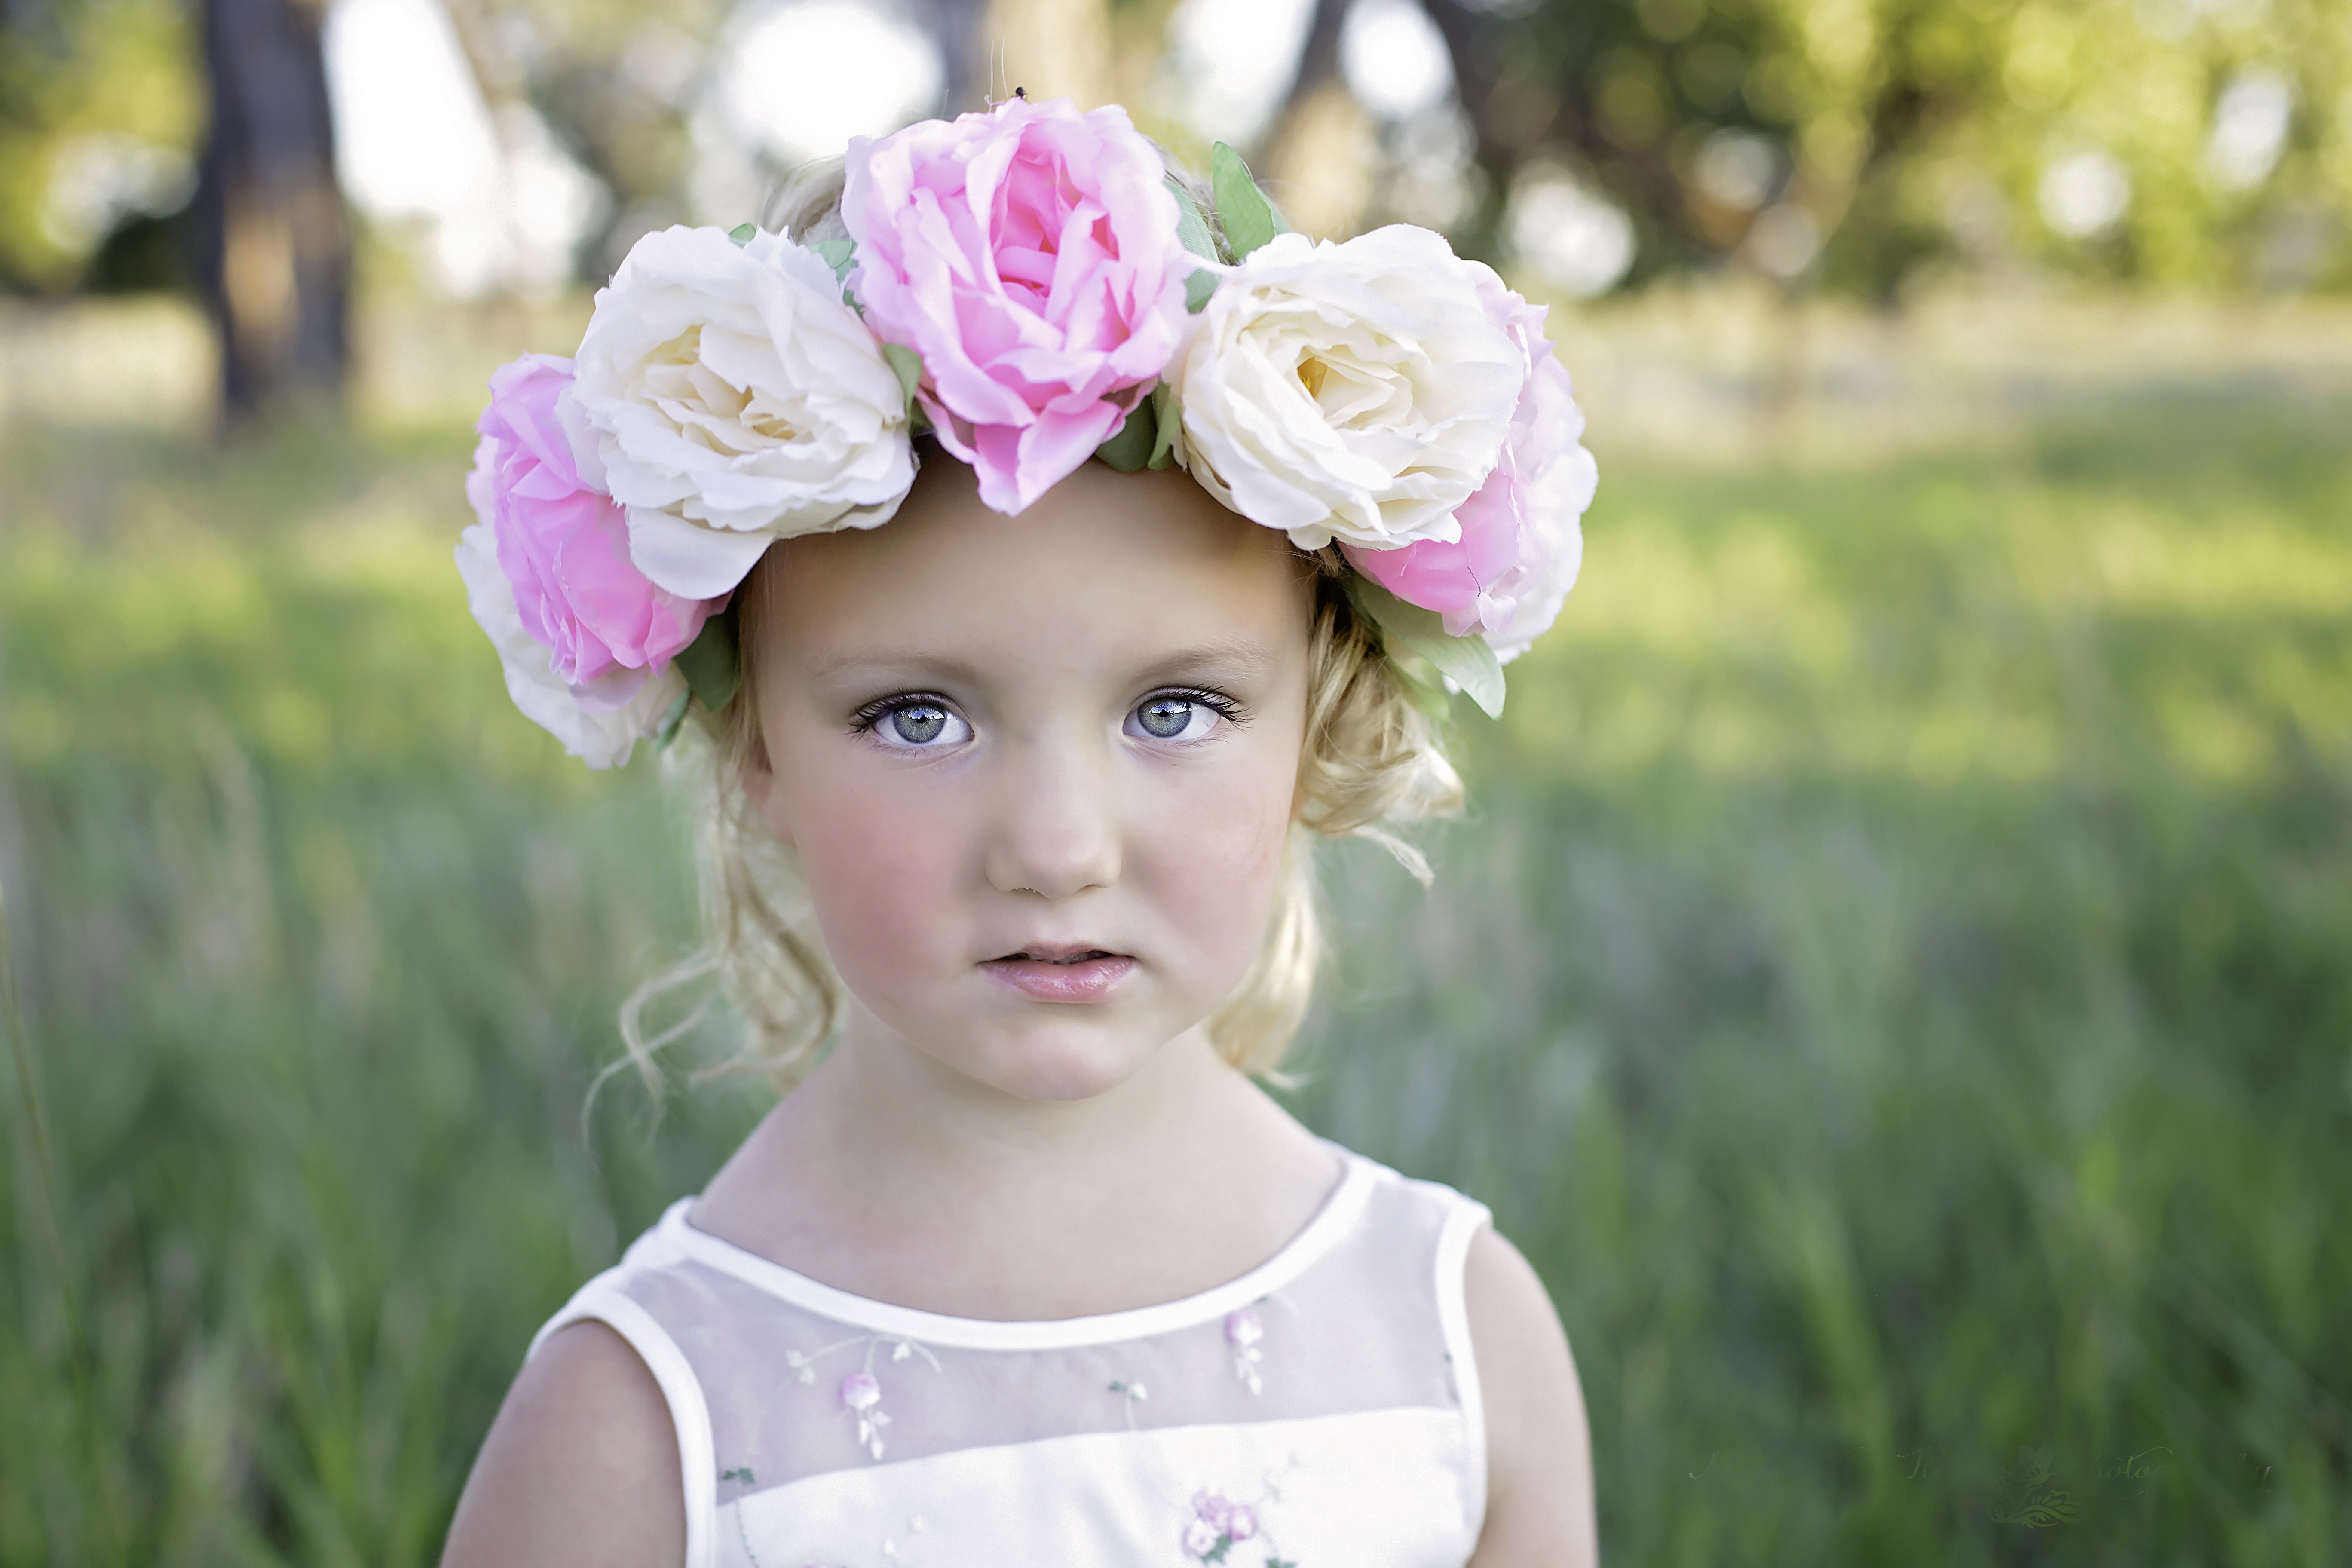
1345	1357
580	1467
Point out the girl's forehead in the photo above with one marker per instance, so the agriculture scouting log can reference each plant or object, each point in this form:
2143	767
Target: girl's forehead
1106	563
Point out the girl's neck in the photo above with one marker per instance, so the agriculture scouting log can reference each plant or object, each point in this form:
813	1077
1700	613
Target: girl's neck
890	1175
896	1109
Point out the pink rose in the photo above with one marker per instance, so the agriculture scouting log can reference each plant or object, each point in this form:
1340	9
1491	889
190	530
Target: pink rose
1520	542
564	546
1211	1507
1029	256
1557	486
1243	1328
1242	1522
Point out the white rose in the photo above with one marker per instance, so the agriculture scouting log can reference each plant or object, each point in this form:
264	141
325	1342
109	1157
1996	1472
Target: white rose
1358	392
602	722
732	399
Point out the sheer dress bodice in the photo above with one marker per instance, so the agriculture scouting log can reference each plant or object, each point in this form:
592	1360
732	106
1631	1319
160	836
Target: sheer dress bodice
1321	1411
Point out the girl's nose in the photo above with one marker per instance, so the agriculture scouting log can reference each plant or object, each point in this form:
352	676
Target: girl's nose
1057	834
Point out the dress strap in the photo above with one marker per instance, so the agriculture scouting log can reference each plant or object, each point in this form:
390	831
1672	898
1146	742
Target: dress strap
1465	1218
602	1301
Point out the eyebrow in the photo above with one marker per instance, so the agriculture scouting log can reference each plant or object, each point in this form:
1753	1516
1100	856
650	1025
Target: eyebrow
1236	655
1233	656
869	664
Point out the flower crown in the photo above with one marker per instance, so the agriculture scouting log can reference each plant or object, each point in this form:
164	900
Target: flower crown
1030	284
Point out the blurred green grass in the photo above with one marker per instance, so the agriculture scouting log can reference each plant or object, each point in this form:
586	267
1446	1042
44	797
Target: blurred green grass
1896	988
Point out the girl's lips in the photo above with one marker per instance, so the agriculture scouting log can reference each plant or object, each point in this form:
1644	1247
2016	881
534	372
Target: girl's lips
1089	978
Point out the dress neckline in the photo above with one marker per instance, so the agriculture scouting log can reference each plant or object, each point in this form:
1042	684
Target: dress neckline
1288	1261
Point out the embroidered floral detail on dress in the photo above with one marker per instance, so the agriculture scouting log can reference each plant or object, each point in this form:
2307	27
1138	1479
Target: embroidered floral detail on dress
1218	1525
861	1397
1244	1330
861	1391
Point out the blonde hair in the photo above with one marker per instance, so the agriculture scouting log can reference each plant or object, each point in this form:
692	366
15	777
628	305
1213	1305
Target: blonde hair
1371	760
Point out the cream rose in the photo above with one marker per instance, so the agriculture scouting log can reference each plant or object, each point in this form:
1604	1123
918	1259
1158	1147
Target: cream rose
727	397
602	722
1358	391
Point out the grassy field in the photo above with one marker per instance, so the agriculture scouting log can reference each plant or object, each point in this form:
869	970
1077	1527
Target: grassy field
1897	985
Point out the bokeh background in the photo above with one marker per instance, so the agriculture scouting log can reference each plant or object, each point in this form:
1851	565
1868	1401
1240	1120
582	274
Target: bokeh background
1896	979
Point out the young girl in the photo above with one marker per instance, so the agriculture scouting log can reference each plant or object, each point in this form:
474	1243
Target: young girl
1046	550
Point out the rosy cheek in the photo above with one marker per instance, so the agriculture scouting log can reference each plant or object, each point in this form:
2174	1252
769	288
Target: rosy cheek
1213	862
884	873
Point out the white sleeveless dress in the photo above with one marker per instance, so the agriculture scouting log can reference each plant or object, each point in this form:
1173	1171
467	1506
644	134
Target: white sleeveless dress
1322	1411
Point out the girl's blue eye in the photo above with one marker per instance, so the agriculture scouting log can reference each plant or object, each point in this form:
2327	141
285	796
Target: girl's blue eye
1166	717
919	725
1173	717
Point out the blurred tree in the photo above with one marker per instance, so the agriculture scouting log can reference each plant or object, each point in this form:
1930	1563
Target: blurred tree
273	250
1049	48
616	82
99	110
1315	147
1855	144
1854	141
630	88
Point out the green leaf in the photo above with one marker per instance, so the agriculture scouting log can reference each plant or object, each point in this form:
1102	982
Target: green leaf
671	721
1130	449
709	663
910	366
1167	423
1197	290
1469	662
742	232
1248	217
839	255
1423	687
1192	229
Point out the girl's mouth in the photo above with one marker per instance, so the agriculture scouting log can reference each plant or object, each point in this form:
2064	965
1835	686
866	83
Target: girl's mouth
1061	974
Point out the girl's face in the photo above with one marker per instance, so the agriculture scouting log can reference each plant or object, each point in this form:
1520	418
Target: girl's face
1039	769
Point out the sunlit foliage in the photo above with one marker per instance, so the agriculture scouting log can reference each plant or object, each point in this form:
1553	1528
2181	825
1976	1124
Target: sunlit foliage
1860	144
100	109
2169	140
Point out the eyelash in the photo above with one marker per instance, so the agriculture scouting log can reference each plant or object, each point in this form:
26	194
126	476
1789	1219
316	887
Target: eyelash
1217	703
863	722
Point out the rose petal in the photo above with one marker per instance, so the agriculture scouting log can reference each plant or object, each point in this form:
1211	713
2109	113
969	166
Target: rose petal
1030	255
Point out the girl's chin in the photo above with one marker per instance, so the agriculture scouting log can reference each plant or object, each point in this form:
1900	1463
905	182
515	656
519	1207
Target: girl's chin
1065	1059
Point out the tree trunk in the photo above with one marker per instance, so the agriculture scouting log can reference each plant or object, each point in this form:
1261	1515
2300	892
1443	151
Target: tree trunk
958	26
273	250
1318	66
